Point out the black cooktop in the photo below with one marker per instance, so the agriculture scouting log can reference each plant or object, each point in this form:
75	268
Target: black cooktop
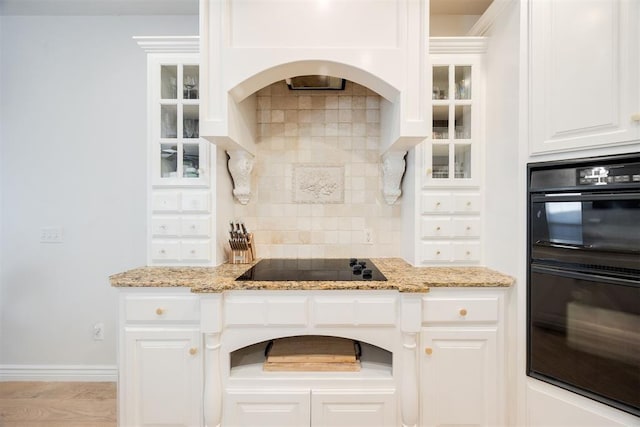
313	269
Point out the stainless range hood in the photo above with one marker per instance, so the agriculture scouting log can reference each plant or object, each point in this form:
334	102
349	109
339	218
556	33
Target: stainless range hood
315	82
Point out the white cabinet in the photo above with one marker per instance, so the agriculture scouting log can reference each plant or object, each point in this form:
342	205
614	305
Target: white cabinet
463	374
180	163
584	89
452	155
451	161
353	408
290	408
450	227
315	408
160	376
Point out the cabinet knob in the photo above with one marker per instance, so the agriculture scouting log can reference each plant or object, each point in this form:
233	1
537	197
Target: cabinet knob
163	227
193	351
463	312
193	226
437	228
159	311
193	251
468	253
428	351
162	251
437	252
468	203
437	203
468	227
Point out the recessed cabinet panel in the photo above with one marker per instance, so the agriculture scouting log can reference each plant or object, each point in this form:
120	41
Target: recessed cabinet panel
467	203
165	226
165	251
436	227
436	252
356	408
166	201
466	227
195	251
466	251
437	203
195	202
281	408
456	309
193	226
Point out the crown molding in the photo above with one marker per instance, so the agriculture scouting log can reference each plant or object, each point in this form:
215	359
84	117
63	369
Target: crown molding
457	45
483	25
169	44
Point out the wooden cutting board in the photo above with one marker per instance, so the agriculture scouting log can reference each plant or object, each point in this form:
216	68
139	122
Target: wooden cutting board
312	353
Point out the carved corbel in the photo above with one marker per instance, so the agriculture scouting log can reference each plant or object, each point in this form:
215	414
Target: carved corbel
393	166
240	165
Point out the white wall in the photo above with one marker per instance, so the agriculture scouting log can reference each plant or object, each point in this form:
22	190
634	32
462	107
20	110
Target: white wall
72	154
505	178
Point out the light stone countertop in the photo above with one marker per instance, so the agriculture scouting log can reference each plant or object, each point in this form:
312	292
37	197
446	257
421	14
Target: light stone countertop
400	275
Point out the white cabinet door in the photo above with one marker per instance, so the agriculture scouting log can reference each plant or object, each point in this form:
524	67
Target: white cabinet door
280	408
160	378
460	377
584	67
353	408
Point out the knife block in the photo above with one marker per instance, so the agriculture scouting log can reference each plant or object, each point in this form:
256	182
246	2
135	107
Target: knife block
247	256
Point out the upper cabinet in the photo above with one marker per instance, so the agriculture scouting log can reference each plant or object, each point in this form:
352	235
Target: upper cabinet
179	155
452	155
583	74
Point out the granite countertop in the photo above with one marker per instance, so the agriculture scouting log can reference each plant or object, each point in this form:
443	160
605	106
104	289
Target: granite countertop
401	276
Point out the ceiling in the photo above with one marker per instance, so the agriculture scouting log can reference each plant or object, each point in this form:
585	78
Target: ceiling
179	7
459	7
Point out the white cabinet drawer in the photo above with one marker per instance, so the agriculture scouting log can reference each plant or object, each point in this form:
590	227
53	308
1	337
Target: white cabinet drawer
436	252
166	201
165	251
350	311
436	227
195	226
173	308
467	251
195	251
165	226
195	201
466	227
436	309
436	203
466	203
259	311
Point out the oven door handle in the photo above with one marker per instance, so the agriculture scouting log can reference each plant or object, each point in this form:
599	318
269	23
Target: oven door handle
564	272
547	244
583	196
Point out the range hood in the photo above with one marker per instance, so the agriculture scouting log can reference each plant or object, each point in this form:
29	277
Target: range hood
379	44
315	82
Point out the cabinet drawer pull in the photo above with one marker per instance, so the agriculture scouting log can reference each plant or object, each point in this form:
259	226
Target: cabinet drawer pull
162	251
193	251
468	227
437	252
428	351
437	203
468	252
159	311
193	351
437	228
193	227
468	203
463	312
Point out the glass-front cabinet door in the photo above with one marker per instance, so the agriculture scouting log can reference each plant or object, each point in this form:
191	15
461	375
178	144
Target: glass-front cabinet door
180	156
451	156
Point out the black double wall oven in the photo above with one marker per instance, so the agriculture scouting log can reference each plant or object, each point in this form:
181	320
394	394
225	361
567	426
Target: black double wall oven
583	279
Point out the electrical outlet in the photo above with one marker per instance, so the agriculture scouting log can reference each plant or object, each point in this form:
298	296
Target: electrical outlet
368	236
98	331
51	235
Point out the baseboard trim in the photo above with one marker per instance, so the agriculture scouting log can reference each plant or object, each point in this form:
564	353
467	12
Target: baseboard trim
80	373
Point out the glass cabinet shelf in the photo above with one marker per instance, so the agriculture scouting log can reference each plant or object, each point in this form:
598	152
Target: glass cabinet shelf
179	152
451	154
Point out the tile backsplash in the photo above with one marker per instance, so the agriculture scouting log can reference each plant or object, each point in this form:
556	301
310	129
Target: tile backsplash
316	183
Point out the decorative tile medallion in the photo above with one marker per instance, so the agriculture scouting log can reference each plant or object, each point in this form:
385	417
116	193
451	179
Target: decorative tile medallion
318	183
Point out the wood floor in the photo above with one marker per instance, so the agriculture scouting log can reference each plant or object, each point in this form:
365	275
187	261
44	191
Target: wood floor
57	404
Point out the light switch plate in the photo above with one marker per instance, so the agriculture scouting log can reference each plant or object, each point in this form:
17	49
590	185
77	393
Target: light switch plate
51	235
